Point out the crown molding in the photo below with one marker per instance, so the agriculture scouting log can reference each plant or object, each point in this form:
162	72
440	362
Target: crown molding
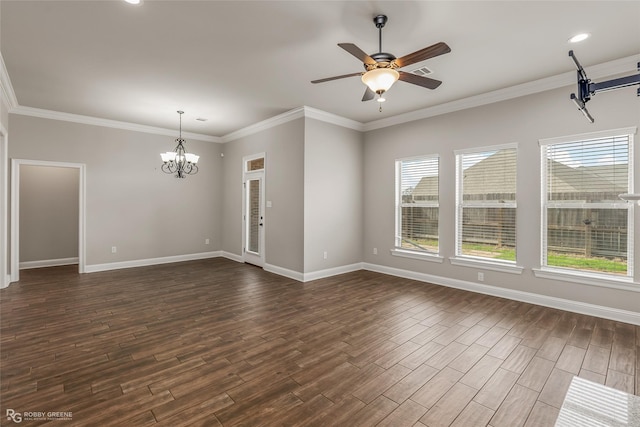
95	121
606	69
290	115
6	88
324	116
274	121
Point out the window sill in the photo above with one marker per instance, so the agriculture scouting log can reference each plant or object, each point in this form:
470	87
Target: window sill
593	279
423	256
502	267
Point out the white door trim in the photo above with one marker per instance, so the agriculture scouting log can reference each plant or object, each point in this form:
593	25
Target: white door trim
15	211
4	210
247	175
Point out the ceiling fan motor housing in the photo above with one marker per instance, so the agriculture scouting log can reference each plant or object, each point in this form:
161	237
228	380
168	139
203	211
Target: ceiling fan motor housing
383	60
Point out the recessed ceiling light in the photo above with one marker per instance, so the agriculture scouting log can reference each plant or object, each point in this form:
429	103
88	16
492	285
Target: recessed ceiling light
579	37
133	1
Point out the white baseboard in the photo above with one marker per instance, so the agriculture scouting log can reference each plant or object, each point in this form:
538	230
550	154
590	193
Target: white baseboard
150	261
231	256
321	274
4	281
625	316
281	271
47	263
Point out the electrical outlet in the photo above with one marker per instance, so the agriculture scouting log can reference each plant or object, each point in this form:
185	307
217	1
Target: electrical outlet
375	251
480	277
206	241
325	255
114	249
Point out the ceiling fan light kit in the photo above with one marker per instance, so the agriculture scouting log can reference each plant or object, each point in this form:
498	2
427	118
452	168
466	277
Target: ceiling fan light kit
380	80
381	67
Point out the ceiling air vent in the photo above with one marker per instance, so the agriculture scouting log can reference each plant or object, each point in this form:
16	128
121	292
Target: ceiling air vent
422	71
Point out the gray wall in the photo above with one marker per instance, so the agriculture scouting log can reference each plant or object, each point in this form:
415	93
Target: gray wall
130	203
48	213
284	187
333	173
523	120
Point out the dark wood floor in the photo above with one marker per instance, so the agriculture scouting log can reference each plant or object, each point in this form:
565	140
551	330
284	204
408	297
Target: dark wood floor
215	342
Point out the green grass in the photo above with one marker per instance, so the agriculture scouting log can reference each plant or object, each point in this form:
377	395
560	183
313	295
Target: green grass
426	244
489	251
554	259
603	265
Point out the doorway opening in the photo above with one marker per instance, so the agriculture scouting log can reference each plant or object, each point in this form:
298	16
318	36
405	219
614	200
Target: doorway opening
27	171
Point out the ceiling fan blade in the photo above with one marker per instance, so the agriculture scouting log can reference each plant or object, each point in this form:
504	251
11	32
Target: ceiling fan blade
357	52
419	80
328	79
368	95
422	54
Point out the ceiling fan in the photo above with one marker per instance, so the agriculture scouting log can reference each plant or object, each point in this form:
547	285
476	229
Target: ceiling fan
381	67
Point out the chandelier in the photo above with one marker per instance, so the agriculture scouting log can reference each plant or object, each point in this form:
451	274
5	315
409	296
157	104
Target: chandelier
179	161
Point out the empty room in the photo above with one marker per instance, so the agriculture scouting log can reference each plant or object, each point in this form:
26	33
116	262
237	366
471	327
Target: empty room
319	213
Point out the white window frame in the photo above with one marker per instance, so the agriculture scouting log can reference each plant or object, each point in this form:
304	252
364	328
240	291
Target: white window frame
585	276
460	259
398	250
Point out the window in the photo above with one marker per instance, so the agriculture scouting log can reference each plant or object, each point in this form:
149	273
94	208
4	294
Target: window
486	204
254	164
417	204
586	227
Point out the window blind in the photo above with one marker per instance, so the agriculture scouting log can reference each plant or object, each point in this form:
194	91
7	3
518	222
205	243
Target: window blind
586	225
589	171
417	204
486	204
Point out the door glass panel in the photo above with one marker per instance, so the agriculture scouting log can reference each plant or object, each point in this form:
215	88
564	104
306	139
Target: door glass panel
253	203
255	164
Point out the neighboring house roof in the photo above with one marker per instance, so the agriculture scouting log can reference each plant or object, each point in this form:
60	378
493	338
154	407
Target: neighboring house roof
610	179
497	172
616	174
428	186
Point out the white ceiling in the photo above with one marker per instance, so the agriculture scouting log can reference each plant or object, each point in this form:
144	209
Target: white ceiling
239	62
